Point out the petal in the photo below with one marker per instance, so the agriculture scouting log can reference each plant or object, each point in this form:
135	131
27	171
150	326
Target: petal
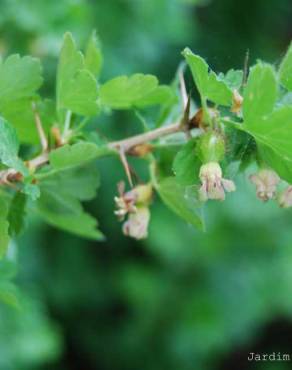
216	191
137	224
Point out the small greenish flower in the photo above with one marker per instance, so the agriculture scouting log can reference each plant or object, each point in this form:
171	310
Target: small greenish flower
213	184
266	182
137	223
133	205
127	202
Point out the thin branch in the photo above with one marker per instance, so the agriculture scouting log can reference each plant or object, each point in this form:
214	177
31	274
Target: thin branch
130	142
39	127
120	146
126	166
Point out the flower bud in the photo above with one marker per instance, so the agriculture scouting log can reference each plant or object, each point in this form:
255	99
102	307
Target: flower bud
266	182
213	185
211	147
137	224
285	198
237	101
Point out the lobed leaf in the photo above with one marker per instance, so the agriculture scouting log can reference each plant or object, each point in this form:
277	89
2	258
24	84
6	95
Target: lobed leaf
17	213
93	55
137	90
19	78
275	131
62	210
20	114
76	86
69	156
9	147
209	85
186	165
81	182
260	94
174	197
285	70
233	78
276	162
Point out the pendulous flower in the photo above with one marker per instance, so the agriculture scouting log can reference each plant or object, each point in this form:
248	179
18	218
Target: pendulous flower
133	205
136	225
285	198
127	202
213	184
266	182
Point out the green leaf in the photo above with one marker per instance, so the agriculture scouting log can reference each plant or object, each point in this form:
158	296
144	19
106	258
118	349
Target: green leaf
19	78
32	190
16	214
125	92
199	69
60	209
20	114
260	94
4	236
93	55
81	94
174	196
285	70
210	86
160	95
60	205
275	131
69	156
276	162
81	182
233	78
217	91
9	147
186	165
76	86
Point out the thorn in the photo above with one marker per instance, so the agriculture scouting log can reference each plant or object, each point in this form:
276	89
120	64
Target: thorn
183	90
245	68
186	115
126	166
39	127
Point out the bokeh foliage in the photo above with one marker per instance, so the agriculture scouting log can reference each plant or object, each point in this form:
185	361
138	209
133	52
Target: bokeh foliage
181	299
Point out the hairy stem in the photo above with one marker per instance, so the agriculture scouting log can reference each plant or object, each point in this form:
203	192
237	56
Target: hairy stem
125	145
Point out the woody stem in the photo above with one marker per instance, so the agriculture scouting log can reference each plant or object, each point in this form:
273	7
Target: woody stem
113	147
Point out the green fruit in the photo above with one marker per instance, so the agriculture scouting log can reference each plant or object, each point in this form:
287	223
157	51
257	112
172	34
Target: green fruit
211	147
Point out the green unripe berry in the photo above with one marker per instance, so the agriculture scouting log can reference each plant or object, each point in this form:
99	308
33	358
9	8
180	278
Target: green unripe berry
211	147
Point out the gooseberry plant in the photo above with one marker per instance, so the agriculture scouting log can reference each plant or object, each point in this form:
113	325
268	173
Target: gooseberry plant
47	148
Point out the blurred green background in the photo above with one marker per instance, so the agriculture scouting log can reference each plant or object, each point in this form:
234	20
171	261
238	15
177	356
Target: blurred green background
180	299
